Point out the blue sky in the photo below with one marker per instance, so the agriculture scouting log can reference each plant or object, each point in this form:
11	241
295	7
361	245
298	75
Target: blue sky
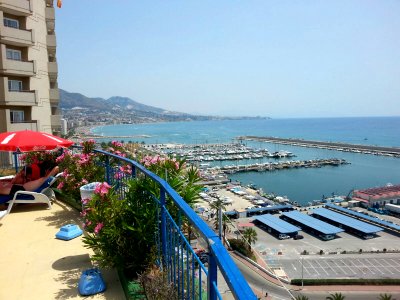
227	57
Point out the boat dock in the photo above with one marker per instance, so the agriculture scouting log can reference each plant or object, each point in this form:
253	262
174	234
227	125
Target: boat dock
269	166
218	152
345	147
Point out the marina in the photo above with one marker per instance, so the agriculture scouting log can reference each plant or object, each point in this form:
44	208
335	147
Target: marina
345	147
262	167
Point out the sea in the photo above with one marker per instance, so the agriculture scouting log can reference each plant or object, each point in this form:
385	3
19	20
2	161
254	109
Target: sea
304	184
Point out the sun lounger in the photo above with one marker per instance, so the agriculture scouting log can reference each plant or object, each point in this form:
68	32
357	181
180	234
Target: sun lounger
43	194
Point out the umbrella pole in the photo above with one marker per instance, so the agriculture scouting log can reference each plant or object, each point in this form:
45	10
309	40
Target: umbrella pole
16	162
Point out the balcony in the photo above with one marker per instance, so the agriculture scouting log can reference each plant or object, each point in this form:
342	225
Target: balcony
16	7
27	125
174	254
16	37
50	15
55	121
54	97
10	67
52	68
53	267
51	41
21	98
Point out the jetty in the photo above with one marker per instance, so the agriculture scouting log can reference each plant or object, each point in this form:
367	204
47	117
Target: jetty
345	147
272	166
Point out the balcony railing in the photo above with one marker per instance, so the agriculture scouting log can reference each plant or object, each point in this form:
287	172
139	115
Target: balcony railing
25	125
16	7
17	68
52	68
191	278
51	41
16	37
50	15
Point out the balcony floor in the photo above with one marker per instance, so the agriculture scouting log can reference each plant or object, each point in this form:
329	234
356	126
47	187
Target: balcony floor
36	265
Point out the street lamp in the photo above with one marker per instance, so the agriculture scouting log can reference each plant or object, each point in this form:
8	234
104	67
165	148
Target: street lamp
302	272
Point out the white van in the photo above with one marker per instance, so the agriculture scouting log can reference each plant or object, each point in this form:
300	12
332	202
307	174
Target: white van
283	236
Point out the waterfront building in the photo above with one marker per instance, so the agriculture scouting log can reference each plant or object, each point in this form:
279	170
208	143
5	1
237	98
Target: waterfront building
378	196
29	96
64	126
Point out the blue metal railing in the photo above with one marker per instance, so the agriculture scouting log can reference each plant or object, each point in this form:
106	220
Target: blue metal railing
191	278
177	257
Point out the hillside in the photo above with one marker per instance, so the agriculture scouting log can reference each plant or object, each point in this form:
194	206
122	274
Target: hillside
118	110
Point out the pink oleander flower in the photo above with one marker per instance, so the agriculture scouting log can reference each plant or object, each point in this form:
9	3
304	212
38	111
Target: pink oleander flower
102	188
83	159
85	201
60	185
61	157
119	175
84	181
98	227
116	144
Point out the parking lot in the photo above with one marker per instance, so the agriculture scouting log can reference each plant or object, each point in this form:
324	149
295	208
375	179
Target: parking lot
287	254
340	266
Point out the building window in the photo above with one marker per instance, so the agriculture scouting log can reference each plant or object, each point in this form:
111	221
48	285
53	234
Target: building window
11	23
13	54
17	116
15	85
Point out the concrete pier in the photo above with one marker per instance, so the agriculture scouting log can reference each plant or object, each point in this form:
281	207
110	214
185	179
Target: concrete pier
357	148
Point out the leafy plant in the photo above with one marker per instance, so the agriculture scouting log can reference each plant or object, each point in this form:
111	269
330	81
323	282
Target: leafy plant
241	246
301	297
79	169
215	207
335	296
250	236
385	297
122	231
156	285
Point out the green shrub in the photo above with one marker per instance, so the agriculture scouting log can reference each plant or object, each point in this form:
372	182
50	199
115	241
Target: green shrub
344	281
242	247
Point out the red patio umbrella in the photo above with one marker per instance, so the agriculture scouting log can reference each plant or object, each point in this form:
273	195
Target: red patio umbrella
28	140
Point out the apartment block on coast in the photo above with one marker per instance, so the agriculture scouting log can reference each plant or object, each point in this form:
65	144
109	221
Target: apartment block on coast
29	96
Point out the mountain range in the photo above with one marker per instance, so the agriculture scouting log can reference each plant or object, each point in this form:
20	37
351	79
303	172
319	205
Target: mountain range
123	109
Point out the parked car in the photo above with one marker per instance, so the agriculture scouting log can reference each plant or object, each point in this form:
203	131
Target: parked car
283	236
298	237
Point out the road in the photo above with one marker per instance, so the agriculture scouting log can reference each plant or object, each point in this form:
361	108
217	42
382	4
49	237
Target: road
279	293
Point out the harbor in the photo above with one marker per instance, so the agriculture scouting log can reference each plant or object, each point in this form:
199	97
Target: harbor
345	147
263	167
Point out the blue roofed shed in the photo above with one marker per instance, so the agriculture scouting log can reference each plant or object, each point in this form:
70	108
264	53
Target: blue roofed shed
346	221
277	224
312	223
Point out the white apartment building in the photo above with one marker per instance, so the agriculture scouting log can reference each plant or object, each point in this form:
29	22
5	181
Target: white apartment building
29	96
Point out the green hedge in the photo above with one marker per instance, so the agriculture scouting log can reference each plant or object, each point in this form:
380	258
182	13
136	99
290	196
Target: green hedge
242	248
343	281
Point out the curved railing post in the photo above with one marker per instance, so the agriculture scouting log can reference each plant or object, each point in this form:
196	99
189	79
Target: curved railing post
163	225
108	169
176	252
212	277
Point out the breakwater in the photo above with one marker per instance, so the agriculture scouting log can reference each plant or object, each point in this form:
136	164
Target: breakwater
272	166
345	147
